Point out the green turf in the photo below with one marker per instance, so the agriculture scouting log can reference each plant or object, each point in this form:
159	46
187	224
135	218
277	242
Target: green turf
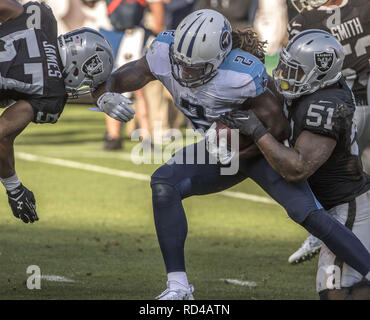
98	229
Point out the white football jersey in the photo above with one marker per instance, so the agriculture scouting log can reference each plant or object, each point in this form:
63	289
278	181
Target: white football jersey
239	77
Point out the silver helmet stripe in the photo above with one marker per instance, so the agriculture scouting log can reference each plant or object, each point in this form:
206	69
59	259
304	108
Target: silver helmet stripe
303	33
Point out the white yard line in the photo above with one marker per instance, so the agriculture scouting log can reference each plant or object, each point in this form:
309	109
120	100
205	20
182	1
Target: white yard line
82	166
56	278
125	174
250	284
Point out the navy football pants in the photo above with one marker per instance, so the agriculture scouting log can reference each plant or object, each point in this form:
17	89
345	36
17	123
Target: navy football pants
175	181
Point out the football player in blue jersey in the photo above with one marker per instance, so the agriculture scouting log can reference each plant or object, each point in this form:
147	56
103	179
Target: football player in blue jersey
211	70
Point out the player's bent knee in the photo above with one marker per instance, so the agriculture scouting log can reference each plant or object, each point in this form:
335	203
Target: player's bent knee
164	195
163	174
163	184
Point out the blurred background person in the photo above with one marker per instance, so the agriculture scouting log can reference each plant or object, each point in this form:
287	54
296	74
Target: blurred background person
163	113
240	13
270	23
176	10
162	108
129	37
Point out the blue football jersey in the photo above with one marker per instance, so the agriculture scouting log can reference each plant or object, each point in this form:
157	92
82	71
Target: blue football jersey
239	77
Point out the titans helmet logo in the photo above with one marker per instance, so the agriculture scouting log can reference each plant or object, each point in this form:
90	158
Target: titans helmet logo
225	38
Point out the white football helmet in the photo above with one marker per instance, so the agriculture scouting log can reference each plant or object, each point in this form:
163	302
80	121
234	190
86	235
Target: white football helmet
313	59
202	41
307	4
87	59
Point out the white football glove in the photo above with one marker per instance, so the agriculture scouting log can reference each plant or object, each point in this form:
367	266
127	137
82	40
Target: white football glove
116	106
217	146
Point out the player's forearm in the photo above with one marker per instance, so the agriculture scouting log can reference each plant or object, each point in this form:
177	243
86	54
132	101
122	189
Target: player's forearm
288	162
157	9
9	9
250	152
279	132
130	77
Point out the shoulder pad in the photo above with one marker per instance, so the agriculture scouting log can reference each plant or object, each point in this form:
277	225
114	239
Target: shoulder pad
295	26
166	36
243	62
325	116
252	72
341	109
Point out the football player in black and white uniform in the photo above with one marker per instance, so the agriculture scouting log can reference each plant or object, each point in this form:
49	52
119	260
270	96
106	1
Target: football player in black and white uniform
37	72
349	22
323	148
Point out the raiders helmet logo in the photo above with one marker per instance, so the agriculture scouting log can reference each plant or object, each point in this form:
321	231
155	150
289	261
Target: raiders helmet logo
93	66
324	60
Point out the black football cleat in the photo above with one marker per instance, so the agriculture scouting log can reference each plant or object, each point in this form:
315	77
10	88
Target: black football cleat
23	204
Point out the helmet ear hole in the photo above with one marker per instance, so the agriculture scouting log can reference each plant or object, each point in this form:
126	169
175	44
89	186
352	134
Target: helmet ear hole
75	72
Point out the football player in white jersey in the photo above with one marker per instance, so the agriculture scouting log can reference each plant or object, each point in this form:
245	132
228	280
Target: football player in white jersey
210	70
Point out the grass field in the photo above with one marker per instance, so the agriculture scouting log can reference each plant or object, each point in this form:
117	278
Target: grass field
97	229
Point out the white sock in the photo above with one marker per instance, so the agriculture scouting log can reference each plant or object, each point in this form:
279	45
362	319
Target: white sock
368	276
10	183
180	277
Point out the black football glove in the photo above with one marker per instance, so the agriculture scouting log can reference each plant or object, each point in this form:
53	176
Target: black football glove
247	123
23	204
